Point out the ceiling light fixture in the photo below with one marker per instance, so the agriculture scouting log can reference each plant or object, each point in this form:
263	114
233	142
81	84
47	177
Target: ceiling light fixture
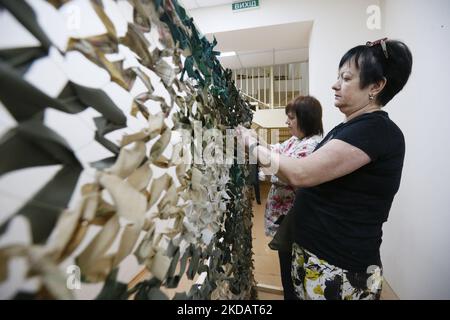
227	54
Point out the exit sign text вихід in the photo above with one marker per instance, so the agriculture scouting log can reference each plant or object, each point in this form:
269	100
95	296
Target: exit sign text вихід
245	4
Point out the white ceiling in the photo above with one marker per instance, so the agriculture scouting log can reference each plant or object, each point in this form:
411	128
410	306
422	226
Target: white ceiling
262	46
195	4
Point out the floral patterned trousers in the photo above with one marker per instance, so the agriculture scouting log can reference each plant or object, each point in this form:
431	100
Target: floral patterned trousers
316	279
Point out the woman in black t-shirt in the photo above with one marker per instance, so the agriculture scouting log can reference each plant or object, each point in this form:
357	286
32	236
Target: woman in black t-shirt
347	185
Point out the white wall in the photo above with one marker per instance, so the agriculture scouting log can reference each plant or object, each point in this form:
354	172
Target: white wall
416	248
338	26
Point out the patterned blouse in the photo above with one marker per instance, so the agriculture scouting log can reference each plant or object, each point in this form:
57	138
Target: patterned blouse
281	196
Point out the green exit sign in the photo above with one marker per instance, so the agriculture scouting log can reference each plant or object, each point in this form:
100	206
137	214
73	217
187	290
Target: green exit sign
245	4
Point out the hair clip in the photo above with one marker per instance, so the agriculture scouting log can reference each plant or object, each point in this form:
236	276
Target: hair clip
381	42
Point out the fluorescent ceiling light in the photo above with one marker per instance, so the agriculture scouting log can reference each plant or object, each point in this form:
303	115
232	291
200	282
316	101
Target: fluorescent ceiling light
227	54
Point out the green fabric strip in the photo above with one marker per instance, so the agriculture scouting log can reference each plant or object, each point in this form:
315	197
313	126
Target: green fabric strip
43	210
25	15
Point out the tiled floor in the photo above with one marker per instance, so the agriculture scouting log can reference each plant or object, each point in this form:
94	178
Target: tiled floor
267	269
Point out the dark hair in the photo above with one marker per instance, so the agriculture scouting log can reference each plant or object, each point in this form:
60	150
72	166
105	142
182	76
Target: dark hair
373	65
309	114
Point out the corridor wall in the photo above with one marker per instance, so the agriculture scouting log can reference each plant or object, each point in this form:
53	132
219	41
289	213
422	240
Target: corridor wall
416	237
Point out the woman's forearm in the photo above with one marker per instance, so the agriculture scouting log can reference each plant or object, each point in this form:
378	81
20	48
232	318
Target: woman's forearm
270	163
289	170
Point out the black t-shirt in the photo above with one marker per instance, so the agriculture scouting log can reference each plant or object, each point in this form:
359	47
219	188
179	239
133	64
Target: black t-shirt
341	220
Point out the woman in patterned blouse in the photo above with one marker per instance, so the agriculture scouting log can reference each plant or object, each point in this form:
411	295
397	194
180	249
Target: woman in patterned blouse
304	119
